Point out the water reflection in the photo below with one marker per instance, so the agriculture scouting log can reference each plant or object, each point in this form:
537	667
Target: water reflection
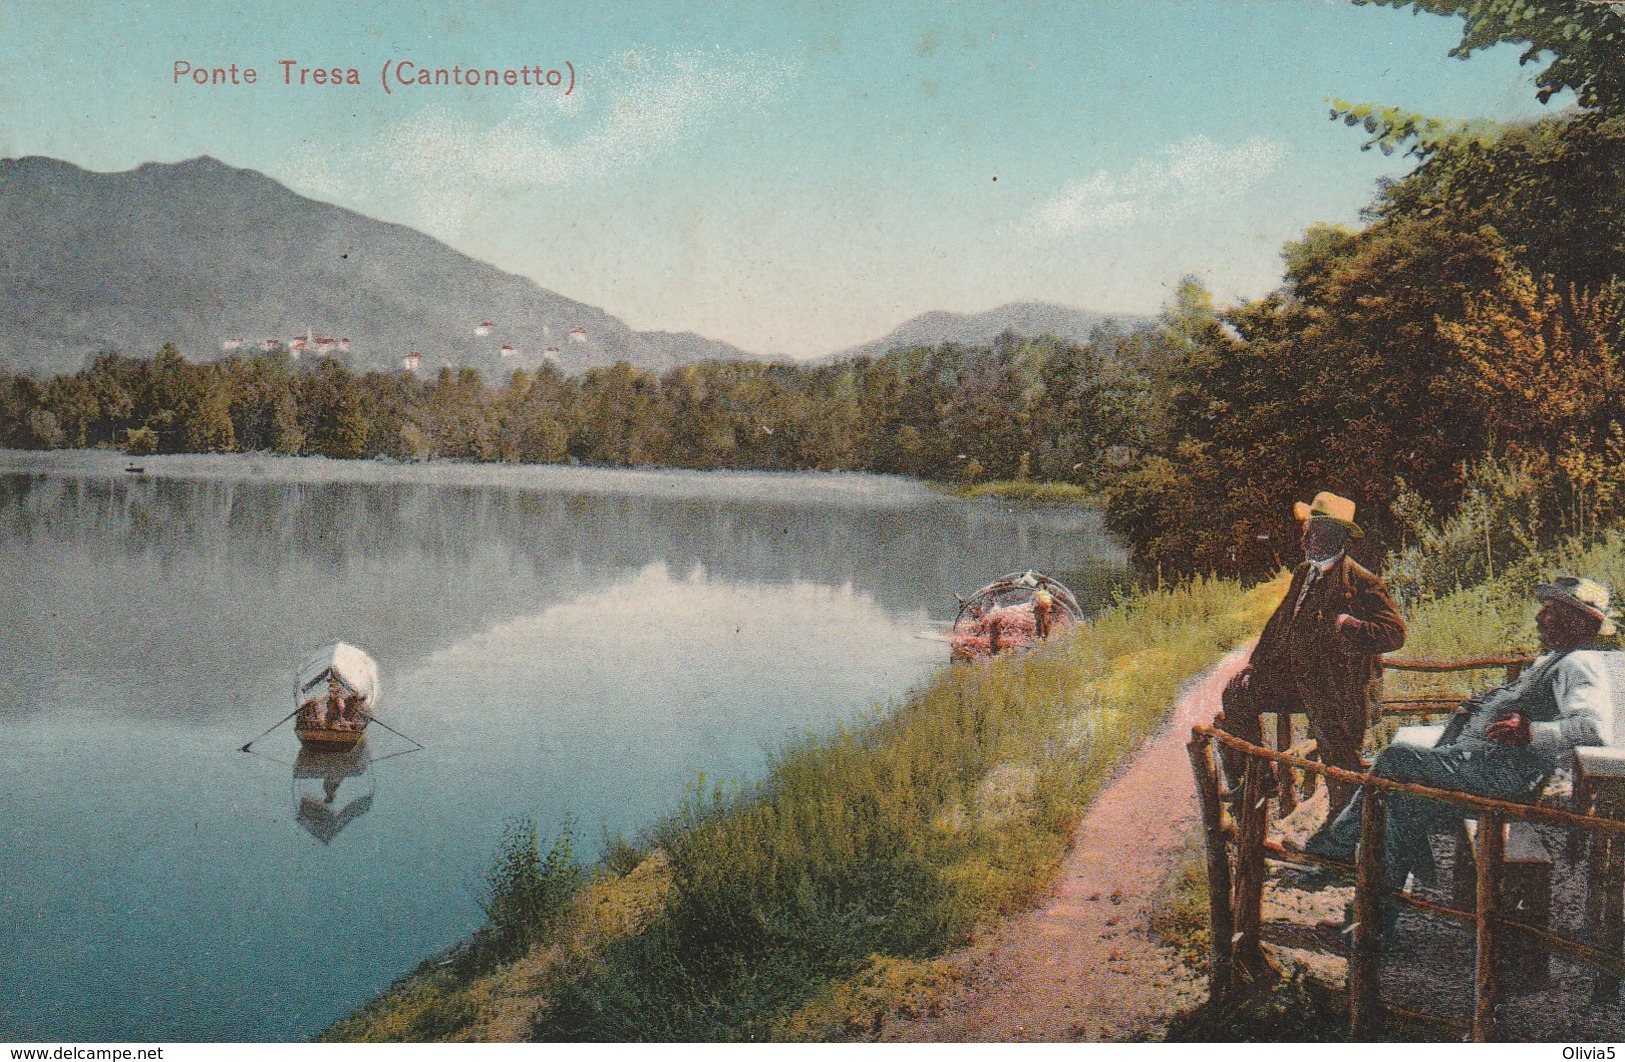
133	573
318	777
559	654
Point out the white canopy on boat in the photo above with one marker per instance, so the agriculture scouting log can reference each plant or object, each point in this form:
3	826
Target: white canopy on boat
354	669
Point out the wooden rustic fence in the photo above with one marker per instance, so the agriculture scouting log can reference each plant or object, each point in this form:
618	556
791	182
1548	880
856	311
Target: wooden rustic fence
1238	848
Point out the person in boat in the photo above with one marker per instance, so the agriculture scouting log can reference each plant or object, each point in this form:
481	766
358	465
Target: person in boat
335	702
311	712
1321	652
1503	744
1043	604
353	716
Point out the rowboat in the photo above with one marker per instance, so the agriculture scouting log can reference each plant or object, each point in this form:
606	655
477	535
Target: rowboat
338	691
1007	614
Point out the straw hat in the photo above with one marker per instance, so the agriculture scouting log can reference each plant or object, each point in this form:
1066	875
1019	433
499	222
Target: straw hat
1582	594
1328	506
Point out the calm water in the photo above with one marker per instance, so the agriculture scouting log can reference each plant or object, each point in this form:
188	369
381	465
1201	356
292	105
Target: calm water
565	643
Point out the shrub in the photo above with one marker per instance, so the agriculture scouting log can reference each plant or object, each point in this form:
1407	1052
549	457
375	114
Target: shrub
525	891
140	441
1498	525
43	431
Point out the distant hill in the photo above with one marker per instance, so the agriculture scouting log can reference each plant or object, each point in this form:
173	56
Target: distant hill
201	253
1026	319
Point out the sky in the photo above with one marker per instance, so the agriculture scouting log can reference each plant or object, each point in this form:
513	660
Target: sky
791	177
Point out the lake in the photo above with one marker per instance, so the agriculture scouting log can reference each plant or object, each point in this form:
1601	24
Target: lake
571	645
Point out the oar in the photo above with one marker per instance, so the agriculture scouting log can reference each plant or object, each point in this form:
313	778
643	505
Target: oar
270	728
392	755
387	727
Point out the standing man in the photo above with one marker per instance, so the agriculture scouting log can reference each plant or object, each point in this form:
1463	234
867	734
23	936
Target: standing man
1043	603
1321	652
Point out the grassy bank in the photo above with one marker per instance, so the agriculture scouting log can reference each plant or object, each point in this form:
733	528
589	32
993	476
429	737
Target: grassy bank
1025	490
808	905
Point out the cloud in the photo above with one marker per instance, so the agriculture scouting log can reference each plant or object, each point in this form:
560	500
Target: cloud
1186	177
445	165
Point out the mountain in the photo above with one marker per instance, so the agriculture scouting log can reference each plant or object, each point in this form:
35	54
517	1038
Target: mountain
200	253
1027	319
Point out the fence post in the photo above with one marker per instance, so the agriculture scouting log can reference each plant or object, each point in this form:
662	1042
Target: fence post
1370	888
1491	848
1252	821
1607	897
1288	791
1218	867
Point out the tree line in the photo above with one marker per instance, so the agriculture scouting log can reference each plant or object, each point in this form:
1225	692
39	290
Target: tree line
1016	408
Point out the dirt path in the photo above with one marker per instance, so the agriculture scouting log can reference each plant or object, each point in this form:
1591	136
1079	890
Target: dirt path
1084	966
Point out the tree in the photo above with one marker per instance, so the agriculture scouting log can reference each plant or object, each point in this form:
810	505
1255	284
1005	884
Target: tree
616	419
335	416
1553	190
457	417
110	379
1339	380
167	393
1548	362
986	418
72	401
42	431
530	418
287	433
1582	41
140	441
206	411
260	383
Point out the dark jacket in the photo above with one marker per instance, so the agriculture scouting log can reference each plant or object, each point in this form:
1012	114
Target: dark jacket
1302	657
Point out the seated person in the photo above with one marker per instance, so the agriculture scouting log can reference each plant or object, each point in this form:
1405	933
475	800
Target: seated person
313	712
335	703
1503	744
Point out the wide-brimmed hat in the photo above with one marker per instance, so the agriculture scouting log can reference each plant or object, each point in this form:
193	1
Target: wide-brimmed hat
1328	506
1582	594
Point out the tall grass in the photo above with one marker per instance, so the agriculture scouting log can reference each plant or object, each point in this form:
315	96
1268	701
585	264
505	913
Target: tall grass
1042	492
1499	614
892	840
806	905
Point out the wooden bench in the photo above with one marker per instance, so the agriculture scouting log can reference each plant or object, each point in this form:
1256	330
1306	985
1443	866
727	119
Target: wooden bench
1599	789
1526	896
1421	736
1526	882
1526	879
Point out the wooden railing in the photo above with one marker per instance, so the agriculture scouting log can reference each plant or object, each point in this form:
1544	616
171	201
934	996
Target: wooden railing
1238	849
1401	707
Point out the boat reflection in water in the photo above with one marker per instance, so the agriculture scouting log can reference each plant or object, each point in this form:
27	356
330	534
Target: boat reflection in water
331	788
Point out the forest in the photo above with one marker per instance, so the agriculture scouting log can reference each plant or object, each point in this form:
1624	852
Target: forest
1016	409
